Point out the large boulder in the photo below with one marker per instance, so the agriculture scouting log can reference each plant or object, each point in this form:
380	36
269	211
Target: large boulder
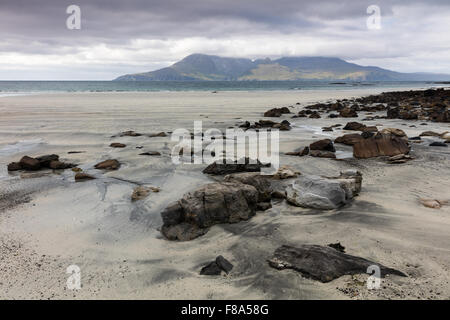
381	145
324	193
29	163
192	215
255	179
323	263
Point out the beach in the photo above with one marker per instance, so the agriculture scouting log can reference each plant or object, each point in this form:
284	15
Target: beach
49	222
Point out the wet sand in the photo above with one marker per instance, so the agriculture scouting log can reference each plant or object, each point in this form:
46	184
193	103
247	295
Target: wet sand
48	222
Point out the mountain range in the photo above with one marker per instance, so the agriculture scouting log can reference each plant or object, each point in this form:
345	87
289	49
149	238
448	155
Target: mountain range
202	67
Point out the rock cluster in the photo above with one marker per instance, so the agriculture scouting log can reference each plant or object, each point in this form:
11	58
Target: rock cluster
50	161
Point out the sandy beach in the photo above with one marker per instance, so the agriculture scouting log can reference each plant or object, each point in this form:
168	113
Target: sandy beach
49	222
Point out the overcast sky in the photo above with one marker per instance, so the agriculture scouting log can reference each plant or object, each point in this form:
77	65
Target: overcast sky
128	36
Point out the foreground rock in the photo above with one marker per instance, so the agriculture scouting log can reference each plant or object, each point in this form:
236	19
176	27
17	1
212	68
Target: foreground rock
111	164
216	267
323	145
323	263
243	165
380	145
80	176
214	203
50	161
324	193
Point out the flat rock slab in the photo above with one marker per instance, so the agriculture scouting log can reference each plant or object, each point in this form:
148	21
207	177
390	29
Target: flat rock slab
323	263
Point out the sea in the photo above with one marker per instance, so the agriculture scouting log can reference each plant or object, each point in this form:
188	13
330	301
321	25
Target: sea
9	88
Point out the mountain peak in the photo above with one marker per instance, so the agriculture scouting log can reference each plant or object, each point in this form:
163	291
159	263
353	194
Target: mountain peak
198	66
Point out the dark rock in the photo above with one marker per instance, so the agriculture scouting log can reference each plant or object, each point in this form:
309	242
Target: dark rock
276	112
56	164
160	134
315	115
29	163
244	165
322	154
14	166
278	194
438	144
348	113
111	164
117	145
80	176
323	263
356	126
216	267
337	246
263	206
224	264
323	145
150	153
130	134
257	180
45	160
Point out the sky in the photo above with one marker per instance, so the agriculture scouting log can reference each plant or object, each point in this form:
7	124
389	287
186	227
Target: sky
119	37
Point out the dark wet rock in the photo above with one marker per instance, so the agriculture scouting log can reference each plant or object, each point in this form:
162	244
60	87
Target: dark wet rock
327	129
430	134
367	134
348	113
117	145
159	134
370	129
322	154
81	176
323	263
46	159
29	163
438	144
243	165
324	193
355	126
216	267
214	203
58	165
277	112
73	152
349	139
111	164
130	134
380	145
14	166
337	246
323	145
277	194
150	153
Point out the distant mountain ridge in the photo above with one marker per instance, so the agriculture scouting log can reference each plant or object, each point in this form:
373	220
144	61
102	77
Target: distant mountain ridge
209	68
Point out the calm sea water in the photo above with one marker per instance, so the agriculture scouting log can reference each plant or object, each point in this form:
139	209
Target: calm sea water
24	87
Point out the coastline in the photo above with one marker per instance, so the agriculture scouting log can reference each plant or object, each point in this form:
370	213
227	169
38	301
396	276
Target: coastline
118	245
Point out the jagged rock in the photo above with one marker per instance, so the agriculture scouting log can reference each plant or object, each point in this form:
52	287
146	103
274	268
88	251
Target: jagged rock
117	145
324	192
323	263
380	145
111	164
56	164
349	139
323	145
80	176
196	211
243	165
29	163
